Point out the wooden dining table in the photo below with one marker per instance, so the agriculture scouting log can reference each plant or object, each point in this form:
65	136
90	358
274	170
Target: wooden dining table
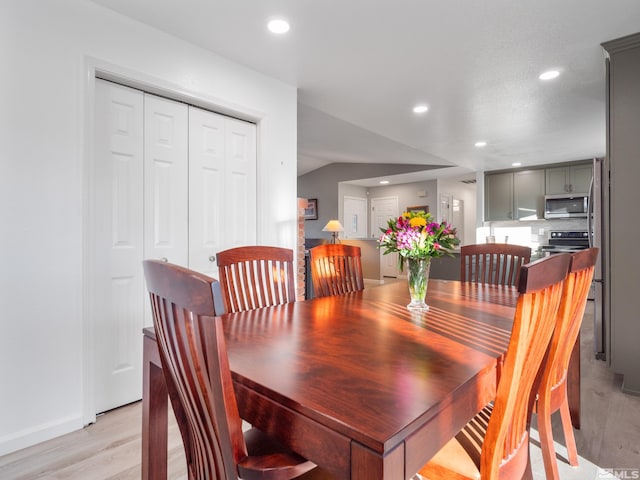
356	383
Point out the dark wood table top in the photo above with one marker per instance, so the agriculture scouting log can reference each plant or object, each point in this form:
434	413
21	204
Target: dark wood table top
360	369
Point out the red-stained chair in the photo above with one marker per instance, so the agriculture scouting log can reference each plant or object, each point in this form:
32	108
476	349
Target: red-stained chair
494	263
194	361
336	269
256	276
495	444
552	394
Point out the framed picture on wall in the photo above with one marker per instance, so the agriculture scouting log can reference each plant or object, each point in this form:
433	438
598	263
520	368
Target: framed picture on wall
418	208
311	212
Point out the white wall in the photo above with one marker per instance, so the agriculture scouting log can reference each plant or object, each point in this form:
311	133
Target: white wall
46	97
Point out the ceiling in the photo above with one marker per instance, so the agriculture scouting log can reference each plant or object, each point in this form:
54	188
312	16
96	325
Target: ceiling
361	65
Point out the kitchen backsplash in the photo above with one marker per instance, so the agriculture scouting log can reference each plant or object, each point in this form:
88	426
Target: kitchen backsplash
532	233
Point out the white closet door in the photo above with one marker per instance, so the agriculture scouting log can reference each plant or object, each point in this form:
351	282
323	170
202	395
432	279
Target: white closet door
222	187
240	183
117	225
166	164
206	190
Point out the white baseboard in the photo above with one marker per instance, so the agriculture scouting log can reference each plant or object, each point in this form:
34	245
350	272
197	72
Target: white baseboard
39	433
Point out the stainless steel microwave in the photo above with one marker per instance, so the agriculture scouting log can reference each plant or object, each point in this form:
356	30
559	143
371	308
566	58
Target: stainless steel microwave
566	206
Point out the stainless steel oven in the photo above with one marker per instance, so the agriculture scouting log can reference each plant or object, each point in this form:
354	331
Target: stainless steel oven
567	242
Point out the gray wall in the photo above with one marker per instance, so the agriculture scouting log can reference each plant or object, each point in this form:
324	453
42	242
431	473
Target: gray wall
323	185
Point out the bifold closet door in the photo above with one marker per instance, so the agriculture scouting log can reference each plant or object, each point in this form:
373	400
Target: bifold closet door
117	227
166	184
222	187
171	182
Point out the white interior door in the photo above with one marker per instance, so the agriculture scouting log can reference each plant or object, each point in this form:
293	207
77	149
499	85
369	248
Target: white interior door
206	189
240	183
382	209
354	217
166	153
117	308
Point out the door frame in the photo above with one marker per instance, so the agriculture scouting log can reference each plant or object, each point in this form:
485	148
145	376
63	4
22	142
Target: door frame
97	68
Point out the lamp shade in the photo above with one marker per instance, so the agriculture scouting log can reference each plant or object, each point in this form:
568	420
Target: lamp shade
333	226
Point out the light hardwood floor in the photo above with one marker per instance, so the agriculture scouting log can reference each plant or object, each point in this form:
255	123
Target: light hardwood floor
110	448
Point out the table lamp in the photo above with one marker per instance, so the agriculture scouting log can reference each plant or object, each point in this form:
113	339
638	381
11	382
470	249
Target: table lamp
334	227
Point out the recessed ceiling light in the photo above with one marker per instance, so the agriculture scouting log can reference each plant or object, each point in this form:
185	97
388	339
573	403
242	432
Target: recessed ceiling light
549	75
420	109
481	144
384	182
278	25
516	164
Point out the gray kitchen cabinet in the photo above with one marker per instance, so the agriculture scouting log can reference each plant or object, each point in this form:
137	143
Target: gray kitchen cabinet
498	196
528	194
569	179
514	195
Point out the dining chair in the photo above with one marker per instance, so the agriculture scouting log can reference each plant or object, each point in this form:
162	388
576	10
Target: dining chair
493	263
194	360
256	276
494	445
336	269
552	393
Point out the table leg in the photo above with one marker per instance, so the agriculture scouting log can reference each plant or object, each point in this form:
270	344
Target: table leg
368	465
154	415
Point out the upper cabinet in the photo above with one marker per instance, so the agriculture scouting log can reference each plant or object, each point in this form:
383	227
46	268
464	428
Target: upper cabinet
569	179
528	194
519	194
498	196
514	195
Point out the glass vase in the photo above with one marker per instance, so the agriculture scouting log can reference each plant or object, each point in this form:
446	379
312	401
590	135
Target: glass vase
418	275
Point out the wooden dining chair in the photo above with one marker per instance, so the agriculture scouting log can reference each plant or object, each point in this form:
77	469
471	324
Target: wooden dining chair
495	444
336	269
493	263
552	394
194	360
256	276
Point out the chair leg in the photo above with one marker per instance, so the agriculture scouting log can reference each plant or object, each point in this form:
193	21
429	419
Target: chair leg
569	438
546	443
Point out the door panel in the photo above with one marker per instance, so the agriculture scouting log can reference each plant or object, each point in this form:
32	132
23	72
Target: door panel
240	182
206	190
166	181
382	209
118	308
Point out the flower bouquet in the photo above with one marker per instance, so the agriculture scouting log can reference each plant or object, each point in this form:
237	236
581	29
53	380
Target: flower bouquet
416	238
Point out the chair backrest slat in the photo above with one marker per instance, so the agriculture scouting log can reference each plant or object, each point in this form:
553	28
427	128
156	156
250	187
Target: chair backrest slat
493	263
256	276
336	269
